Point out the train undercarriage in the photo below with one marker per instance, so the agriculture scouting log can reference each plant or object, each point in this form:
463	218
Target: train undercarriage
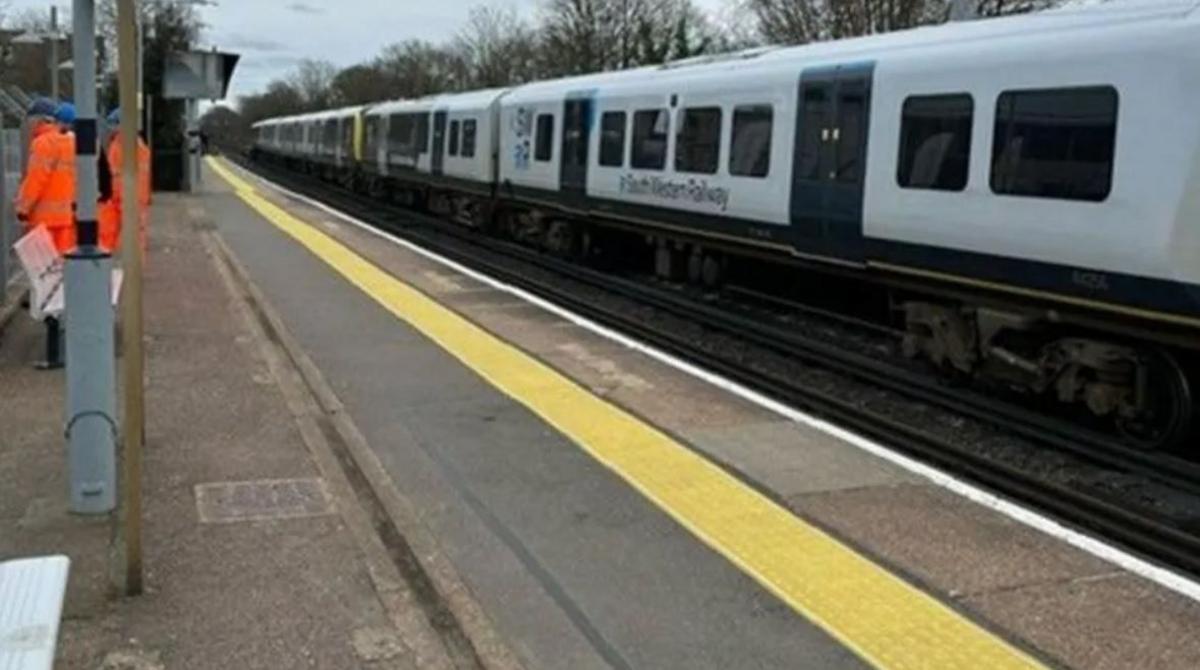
1144	391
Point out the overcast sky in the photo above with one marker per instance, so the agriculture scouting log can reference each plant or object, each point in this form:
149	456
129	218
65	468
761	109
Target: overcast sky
272	35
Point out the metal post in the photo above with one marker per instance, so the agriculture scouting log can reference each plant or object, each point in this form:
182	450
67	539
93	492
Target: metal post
91	406
54	52
5	227
141	75
131	303
191	163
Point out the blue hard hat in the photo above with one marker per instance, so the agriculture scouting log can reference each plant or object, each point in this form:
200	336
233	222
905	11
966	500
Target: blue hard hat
43	107
114	118
65	114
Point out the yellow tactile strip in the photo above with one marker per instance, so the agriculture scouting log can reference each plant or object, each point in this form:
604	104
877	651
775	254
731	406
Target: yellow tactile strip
886	621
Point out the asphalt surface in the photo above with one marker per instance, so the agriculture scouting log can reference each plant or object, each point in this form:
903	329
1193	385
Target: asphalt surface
575	568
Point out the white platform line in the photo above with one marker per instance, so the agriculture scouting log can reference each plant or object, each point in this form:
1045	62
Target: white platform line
1099	548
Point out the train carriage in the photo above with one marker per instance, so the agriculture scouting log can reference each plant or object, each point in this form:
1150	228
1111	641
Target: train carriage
1025	191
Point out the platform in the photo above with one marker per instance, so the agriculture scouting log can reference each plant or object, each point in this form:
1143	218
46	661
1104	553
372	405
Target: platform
605	509
361	456
258	552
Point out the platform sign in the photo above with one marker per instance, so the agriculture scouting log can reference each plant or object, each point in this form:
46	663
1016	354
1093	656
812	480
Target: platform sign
193	76
198	75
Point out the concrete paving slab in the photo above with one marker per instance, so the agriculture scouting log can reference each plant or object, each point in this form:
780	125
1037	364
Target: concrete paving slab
911	526
791	459
1110	622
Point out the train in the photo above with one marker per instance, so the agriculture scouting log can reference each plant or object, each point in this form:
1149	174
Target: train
1025	190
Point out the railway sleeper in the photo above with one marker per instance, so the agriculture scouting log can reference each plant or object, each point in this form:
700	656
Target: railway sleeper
1143	391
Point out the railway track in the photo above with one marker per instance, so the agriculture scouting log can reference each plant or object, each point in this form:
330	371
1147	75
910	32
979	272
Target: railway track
1159	538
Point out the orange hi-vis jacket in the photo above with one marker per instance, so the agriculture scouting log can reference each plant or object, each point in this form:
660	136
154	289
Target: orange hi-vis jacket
47	195
110	210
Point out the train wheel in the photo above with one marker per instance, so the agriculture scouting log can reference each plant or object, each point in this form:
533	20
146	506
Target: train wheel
1170	417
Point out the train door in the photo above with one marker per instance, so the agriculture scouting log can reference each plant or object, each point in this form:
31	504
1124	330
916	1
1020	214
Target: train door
832	118
573	161
439	142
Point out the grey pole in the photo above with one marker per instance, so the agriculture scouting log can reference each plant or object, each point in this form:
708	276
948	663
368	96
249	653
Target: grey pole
5	226
91	377
141	76
190	161
194	143
54	52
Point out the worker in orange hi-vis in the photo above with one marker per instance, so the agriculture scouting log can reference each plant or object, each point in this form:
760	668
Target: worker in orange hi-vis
47	193
110	209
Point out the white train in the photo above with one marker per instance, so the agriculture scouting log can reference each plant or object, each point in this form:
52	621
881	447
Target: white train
1027	189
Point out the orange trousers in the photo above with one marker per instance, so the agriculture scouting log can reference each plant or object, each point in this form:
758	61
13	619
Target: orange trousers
108	219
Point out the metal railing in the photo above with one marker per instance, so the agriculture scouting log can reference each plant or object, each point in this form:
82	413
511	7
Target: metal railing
11	158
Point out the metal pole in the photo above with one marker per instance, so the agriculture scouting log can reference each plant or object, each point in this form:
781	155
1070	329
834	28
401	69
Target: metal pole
190	164
54	52
141	76
5	226
91	377
131	258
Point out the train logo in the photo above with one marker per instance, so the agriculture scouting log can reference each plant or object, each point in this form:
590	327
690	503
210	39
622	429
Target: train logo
522	129
692	190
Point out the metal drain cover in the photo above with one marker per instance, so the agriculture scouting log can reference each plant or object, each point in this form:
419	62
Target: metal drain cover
261	499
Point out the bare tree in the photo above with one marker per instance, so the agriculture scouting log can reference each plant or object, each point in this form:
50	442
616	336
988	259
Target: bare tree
575	35
790	21
850	18
594	35
803	21
1004	7
313	80
359	85
415	68
280	99
497	48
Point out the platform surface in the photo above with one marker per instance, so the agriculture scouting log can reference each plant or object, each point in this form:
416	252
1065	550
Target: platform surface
571	548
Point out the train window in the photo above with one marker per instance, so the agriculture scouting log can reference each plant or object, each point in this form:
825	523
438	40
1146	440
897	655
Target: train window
612	139
814	125
1055	143
422	132
400	135
329	137
698	140
370	137
452	144
650	129
468	138
935	142
750	146
347	126
545	137
851	130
